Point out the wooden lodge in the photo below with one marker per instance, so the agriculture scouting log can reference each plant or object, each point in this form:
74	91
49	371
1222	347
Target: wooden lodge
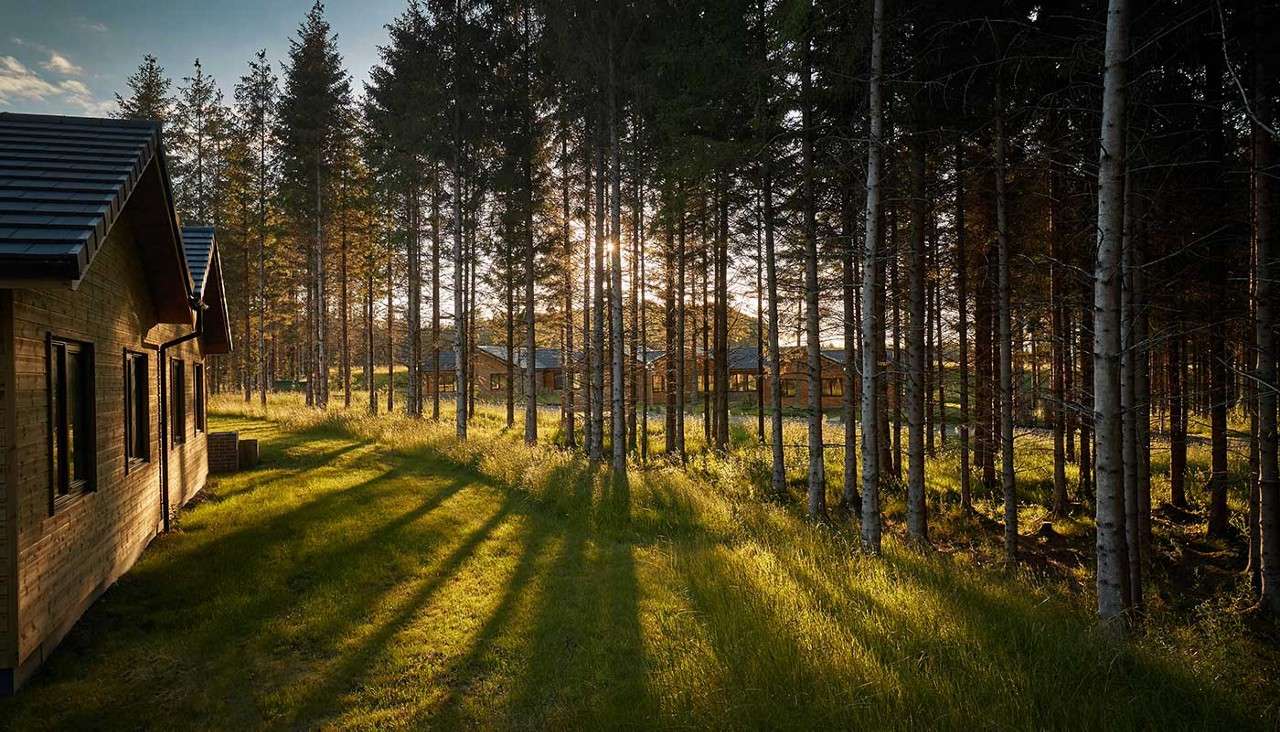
108	309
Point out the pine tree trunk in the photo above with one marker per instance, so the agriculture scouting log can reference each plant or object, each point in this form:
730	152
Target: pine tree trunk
509	288
587	333
1128	411
391	316
566	353
681	376
1106	326
1006	344
597	367
435	295
850	501
1264	175
813	342
917	523
368	336
777	475
895	287
962	308
1177	379
1058	340
343	308
618	416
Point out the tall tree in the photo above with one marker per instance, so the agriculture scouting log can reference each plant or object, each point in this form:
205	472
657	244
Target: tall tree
1106	306
149	96
311	123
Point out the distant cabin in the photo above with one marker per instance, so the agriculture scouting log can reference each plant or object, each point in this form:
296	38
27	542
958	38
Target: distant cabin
108	309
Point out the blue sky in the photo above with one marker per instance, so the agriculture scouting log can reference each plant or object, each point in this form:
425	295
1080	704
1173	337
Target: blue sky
72	56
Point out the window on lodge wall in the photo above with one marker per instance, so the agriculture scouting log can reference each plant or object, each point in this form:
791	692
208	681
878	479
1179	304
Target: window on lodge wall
833	387
789	388
497	381
197	394
178	401
137	422
72	443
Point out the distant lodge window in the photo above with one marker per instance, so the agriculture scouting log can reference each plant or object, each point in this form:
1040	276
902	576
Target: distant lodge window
197	387
742	382
659	383
72	449
178	401
137	423
833	387
557	382
497	381
447	383
789	387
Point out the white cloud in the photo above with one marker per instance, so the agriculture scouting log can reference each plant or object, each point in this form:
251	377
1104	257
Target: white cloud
92	25
72	86
60	64
20	83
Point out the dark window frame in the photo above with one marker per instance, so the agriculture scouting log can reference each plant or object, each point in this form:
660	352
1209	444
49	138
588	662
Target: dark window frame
198	396
177	401
137	409
64	484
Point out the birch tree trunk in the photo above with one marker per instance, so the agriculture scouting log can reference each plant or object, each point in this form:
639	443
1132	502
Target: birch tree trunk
1106	306
870	367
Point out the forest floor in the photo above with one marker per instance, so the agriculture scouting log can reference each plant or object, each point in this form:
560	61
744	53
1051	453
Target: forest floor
374	572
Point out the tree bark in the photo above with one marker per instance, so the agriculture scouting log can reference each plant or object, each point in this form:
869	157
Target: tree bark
813	343
1106	341
1264	175
871	527
1006	344
917	522
962	308
615	262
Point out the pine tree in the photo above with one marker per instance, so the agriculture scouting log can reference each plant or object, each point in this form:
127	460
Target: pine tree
149	96
311	119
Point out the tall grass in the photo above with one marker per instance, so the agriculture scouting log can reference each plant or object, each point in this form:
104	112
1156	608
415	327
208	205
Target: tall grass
734	611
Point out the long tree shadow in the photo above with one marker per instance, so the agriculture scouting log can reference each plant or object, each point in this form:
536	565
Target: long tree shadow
347	672
211	604
584	655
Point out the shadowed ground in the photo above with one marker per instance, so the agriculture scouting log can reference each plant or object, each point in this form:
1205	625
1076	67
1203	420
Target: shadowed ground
354	580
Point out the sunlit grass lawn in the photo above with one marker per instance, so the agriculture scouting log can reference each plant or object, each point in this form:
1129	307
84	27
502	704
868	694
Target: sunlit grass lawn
373	572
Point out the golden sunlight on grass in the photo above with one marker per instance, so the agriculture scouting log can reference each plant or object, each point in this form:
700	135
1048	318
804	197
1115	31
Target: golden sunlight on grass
374	572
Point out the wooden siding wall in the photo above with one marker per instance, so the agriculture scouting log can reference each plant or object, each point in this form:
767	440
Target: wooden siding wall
66	560
8	645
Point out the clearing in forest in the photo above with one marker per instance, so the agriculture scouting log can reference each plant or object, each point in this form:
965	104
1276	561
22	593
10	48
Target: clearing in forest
375	573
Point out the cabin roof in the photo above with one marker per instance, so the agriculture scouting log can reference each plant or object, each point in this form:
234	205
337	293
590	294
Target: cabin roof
66	181
197	245
200	247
